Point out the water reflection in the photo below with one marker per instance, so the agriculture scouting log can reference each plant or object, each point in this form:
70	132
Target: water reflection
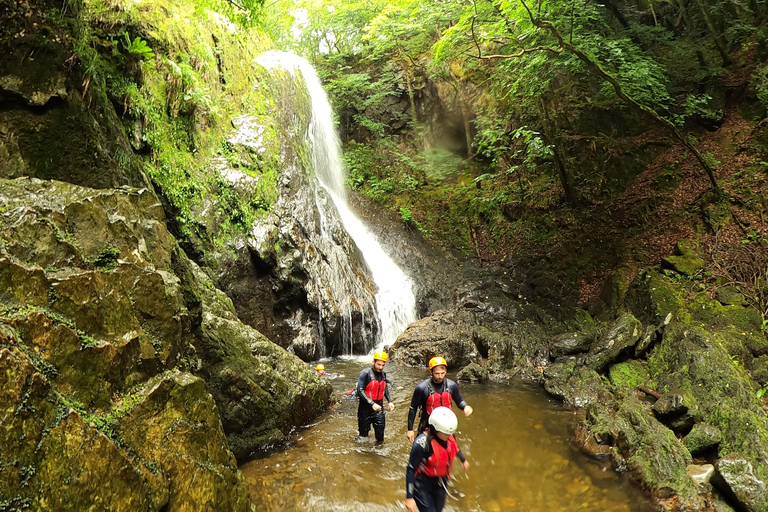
516	442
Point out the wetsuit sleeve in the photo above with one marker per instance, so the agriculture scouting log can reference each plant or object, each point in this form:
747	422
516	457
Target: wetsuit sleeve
460	455
386	392
362	381
418	453
416	401
457	396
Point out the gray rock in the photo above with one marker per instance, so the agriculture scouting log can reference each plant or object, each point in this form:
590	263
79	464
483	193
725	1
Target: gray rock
735	478
671	404
622	335
569	343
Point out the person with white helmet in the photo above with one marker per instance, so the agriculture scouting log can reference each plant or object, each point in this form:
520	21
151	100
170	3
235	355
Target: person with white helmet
372	390
429	465
436	391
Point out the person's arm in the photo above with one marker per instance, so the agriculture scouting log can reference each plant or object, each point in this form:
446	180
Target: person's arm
464	406
416	401
362	381
387	396
418	453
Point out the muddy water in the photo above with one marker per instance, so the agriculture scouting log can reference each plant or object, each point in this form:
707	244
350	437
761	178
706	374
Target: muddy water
516	442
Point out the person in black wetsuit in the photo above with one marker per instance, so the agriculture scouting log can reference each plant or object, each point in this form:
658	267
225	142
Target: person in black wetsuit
372	390
435	391
429	465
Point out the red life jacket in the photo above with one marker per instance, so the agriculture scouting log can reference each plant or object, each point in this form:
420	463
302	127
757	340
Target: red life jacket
436	399
440	461
375	388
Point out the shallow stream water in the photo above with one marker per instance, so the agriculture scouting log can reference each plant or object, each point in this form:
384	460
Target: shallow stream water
516	441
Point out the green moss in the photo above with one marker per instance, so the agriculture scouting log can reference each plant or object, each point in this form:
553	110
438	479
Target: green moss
694	360
628	374
106	260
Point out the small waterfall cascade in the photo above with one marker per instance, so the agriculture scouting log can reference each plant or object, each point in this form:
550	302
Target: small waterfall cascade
395	302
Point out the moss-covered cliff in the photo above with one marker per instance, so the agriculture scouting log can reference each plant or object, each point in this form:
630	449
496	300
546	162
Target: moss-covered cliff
127	374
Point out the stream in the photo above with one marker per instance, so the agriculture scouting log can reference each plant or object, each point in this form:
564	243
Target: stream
516	441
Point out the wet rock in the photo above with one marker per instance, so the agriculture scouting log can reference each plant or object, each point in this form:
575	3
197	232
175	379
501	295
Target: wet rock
51	459
176	425
700	474
473	372
261	390
569	344
619	338
735	478
730	296
646	339
702	438
439	334
575	385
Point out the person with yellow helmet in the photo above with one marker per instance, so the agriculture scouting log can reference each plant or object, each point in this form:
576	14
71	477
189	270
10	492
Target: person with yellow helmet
436	391
372	390
320	369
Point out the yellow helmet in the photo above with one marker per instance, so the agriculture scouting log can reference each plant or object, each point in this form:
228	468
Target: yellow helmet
381	355
437	361
320	366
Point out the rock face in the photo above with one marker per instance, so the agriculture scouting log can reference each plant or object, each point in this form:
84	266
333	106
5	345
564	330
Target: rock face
297	261
123	358
51	146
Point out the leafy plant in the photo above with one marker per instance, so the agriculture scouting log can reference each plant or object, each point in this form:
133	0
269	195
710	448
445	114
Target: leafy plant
137	47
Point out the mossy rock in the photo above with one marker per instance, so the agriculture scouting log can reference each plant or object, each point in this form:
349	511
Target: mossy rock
473	372
702	438
712	313
651	297
575	385
52	459
730	296
694	360
650	451
629	374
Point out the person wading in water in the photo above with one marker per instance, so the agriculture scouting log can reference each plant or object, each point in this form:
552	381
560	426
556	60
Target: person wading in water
372	390
429	465
436	391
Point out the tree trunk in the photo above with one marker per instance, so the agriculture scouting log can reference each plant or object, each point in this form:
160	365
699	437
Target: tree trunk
571	196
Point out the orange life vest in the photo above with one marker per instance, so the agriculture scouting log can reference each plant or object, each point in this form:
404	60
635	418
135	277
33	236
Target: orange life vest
440	461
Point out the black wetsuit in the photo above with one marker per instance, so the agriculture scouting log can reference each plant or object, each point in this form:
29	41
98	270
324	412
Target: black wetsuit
428	491
422	392
366	416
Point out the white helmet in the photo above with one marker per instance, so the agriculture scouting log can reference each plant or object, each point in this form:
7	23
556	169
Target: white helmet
444	420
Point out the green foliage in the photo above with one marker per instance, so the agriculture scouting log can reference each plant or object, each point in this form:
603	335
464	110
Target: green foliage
137	47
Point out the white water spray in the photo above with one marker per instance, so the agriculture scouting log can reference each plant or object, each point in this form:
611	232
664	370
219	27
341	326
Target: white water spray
395	302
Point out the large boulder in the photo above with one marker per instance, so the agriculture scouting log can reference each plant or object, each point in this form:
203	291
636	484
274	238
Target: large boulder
105	306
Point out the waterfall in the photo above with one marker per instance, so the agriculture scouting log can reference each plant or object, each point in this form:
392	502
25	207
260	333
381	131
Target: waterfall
395	302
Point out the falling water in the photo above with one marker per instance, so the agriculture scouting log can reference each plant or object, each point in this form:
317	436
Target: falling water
395	302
